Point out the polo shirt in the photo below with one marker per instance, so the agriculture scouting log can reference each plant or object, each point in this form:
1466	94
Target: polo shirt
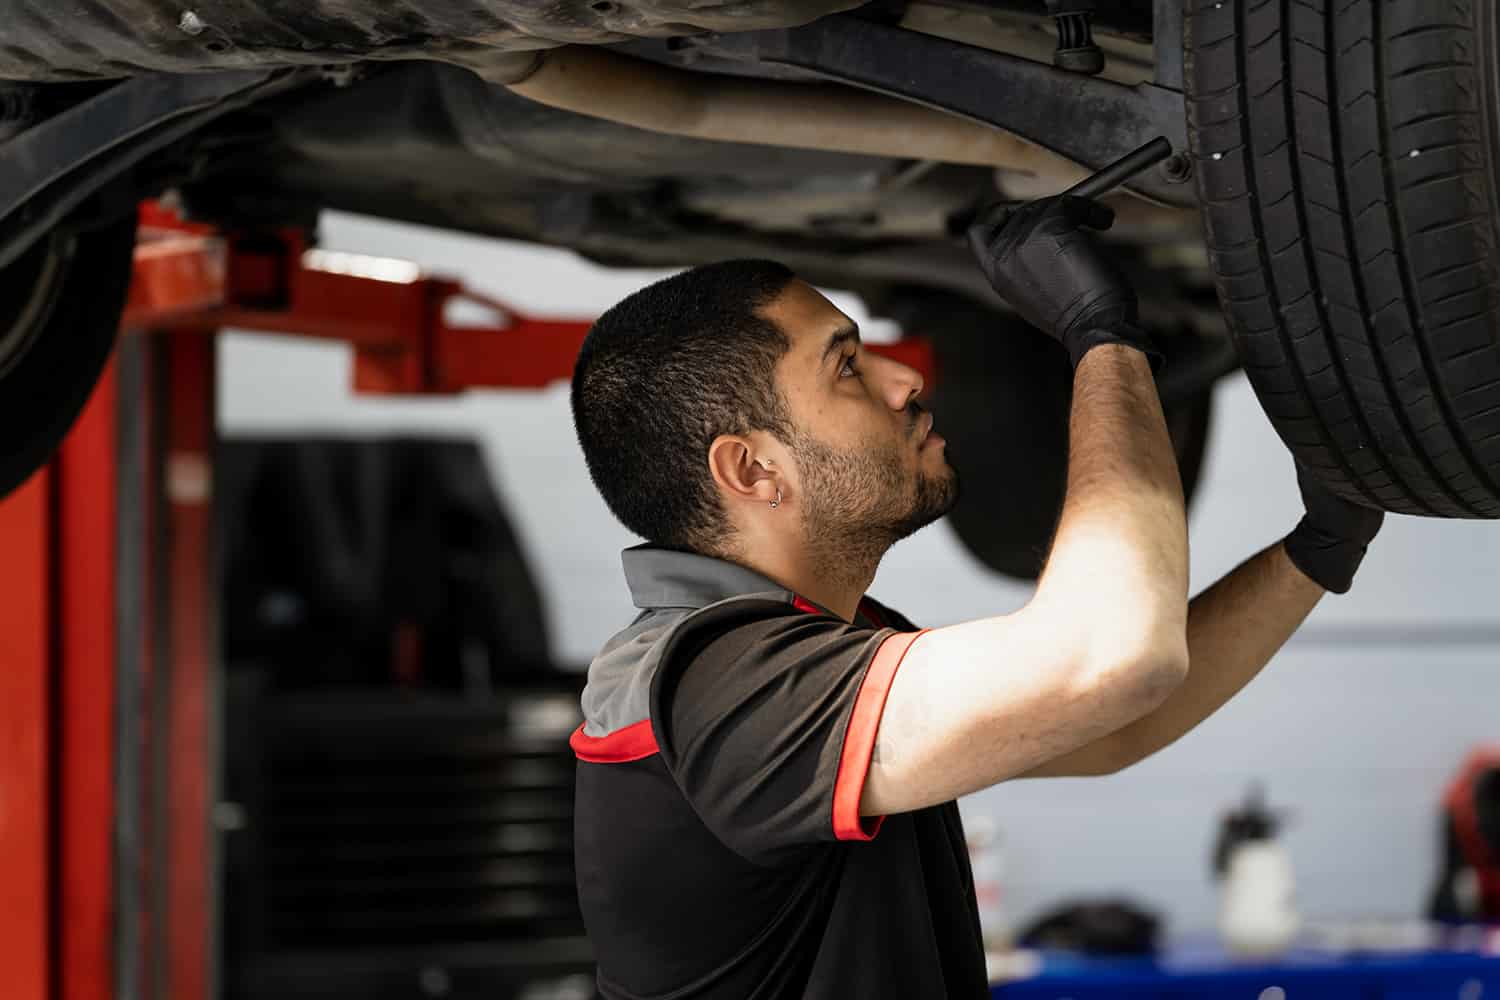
717	838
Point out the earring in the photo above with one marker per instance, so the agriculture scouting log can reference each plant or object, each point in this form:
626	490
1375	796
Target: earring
777	502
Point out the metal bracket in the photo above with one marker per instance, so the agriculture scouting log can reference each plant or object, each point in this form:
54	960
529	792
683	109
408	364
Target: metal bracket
1089	120
50	168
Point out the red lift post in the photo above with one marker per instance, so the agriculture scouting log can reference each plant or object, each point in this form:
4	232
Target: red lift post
109	694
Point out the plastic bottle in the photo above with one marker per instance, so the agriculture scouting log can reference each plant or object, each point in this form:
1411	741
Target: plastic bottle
1257	889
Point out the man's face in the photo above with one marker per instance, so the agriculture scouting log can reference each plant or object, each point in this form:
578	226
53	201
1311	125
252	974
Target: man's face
869	467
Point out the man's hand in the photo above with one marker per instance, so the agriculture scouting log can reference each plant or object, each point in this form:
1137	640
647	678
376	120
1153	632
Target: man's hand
1041	259
1330	541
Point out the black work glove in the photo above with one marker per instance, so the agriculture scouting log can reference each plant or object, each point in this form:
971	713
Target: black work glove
1330	540
1041	260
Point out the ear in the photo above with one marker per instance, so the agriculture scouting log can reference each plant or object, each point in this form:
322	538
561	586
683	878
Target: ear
738	472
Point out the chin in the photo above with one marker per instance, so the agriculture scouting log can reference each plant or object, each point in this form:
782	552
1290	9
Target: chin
937	493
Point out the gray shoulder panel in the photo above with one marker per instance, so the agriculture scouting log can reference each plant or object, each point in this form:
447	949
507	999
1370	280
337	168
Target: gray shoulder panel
618	692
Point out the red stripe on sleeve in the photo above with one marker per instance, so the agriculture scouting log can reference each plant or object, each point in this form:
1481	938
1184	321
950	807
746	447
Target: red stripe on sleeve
859	739
634	742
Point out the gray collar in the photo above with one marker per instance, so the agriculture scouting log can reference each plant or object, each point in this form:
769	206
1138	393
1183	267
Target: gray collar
667	578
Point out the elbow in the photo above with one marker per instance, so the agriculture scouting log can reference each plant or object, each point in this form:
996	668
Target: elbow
1162	671
1150	673
1170	661
1146	683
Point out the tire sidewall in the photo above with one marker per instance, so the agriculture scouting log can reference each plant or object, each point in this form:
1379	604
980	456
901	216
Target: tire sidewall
44	388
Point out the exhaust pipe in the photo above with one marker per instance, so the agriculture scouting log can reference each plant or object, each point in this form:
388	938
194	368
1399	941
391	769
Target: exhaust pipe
600	83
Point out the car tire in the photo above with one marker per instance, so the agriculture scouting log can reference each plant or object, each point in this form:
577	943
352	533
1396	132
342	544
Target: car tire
1347	159
1002	401
60	305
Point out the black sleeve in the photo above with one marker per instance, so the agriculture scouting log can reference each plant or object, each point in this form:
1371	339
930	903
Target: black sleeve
766	717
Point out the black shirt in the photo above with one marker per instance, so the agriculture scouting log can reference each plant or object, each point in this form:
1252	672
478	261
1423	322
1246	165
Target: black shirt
718	844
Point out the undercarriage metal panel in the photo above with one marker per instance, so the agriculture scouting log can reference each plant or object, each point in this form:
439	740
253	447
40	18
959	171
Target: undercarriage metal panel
403	115
89	39
435	145
475	152
1089	120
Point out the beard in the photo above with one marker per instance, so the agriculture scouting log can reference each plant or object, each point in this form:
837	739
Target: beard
857	503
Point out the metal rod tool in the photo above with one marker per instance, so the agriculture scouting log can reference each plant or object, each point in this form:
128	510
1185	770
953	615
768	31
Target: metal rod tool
1114	174
1097	184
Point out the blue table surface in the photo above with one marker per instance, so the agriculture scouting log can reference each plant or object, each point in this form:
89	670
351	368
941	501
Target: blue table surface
1459	963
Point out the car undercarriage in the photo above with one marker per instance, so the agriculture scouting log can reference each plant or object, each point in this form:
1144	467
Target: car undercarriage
851	142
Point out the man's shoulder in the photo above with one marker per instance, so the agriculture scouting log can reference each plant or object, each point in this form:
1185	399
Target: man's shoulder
765	624
733	657
752	627
730	630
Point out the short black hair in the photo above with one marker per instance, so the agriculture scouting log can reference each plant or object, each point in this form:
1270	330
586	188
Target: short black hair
663	373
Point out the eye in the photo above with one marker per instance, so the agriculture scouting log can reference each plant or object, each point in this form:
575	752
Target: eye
846	367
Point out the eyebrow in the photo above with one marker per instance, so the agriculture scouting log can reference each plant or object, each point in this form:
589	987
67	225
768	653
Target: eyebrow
843	335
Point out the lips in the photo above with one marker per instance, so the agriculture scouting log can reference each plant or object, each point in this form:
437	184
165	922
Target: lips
926	427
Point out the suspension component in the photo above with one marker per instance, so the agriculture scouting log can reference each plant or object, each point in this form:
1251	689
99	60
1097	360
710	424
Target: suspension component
1076	51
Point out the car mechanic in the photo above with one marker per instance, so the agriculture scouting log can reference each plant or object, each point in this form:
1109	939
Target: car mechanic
769	762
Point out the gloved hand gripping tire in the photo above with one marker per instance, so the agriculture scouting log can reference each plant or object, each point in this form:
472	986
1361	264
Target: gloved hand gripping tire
1329	542
1039	257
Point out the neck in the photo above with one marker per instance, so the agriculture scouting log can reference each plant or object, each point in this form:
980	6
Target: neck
832	572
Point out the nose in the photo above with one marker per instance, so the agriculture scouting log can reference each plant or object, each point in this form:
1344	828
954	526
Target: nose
899	383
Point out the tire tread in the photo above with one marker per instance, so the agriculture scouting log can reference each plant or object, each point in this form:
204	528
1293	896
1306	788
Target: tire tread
1350	224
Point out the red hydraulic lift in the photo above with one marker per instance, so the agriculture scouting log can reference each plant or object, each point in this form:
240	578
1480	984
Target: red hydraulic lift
396	321
109	688
107	699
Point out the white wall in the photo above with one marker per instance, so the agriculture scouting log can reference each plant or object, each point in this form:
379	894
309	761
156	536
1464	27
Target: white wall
1355	727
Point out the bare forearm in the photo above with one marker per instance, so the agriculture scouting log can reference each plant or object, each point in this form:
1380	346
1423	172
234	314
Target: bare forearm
1234	629
1121	545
